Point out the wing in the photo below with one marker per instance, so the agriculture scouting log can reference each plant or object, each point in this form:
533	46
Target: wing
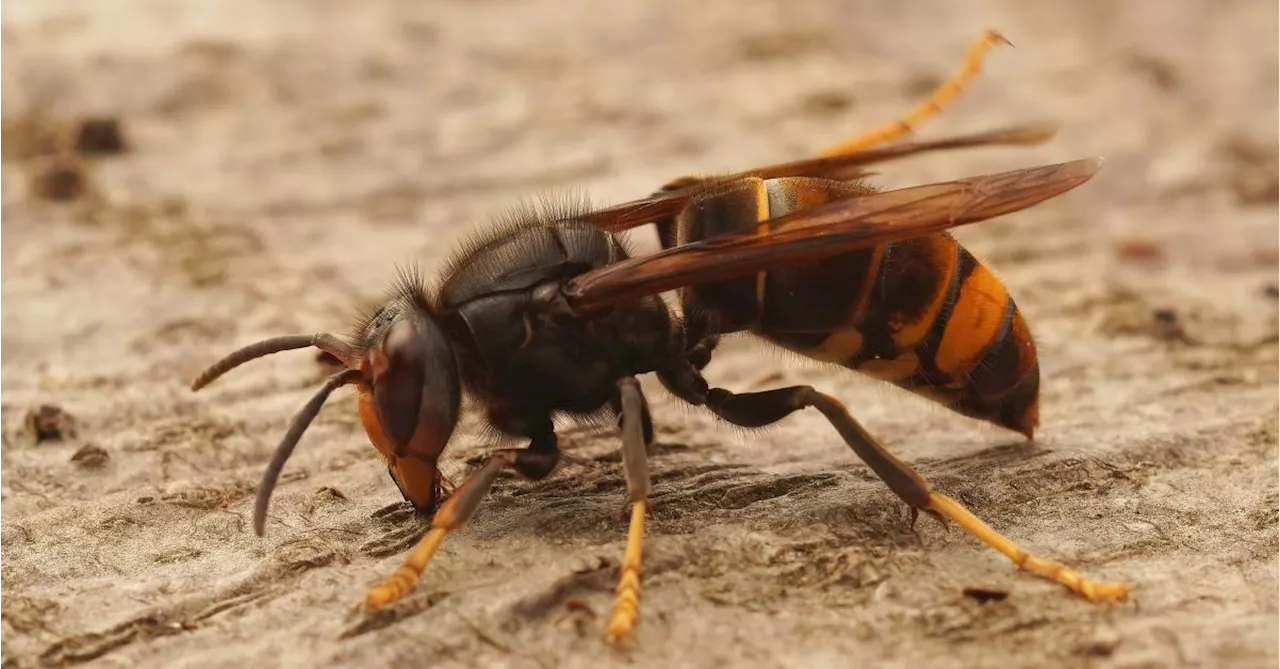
824	231
639	212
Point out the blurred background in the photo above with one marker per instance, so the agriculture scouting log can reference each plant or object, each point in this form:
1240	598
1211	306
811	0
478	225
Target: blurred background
182	178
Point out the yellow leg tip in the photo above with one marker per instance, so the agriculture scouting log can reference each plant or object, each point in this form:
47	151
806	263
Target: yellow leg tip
408	574
379	597
619	628
931	106
626	605
1098	592
1050	570
995	38
394	588
399	584
1107	592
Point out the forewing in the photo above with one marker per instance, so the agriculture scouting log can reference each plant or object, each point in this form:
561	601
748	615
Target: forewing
827	230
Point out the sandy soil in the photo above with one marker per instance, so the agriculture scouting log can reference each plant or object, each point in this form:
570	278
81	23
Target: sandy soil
284	156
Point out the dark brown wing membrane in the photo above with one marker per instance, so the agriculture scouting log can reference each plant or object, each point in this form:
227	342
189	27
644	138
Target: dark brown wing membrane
639	212
827	230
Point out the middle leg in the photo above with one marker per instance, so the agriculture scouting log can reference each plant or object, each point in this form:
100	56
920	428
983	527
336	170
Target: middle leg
637	432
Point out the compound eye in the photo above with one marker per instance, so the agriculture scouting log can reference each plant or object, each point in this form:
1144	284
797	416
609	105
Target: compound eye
397	369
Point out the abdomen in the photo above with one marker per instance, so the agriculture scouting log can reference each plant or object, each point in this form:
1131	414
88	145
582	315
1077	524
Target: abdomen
923	313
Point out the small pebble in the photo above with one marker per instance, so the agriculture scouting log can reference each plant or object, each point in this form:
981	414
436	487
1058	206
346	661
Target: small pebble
59	181
91	456
100	137
49	422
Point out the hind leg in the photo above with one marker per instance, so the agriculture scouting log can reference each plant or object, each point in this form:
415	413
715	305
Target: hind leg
945	93
763	408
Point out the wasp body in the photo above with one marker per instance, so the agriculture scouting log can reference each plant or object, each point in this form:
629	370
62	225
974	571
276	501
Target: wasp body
550	315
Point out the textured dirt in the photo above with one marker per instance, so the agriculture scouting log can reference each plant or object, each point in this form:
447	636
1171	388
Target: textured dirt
282	158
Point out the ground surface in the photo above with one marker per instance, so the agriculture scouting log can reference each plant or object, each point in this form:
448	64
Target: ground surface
284	156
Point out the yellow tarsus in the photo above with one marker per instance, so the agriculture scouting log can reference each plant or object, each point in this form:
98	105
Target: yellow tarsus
626	607
940	96
1047	569
407	575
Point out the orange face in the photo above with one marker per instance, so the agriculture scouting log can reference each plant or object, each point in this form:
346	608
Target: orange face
409	401
416	473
